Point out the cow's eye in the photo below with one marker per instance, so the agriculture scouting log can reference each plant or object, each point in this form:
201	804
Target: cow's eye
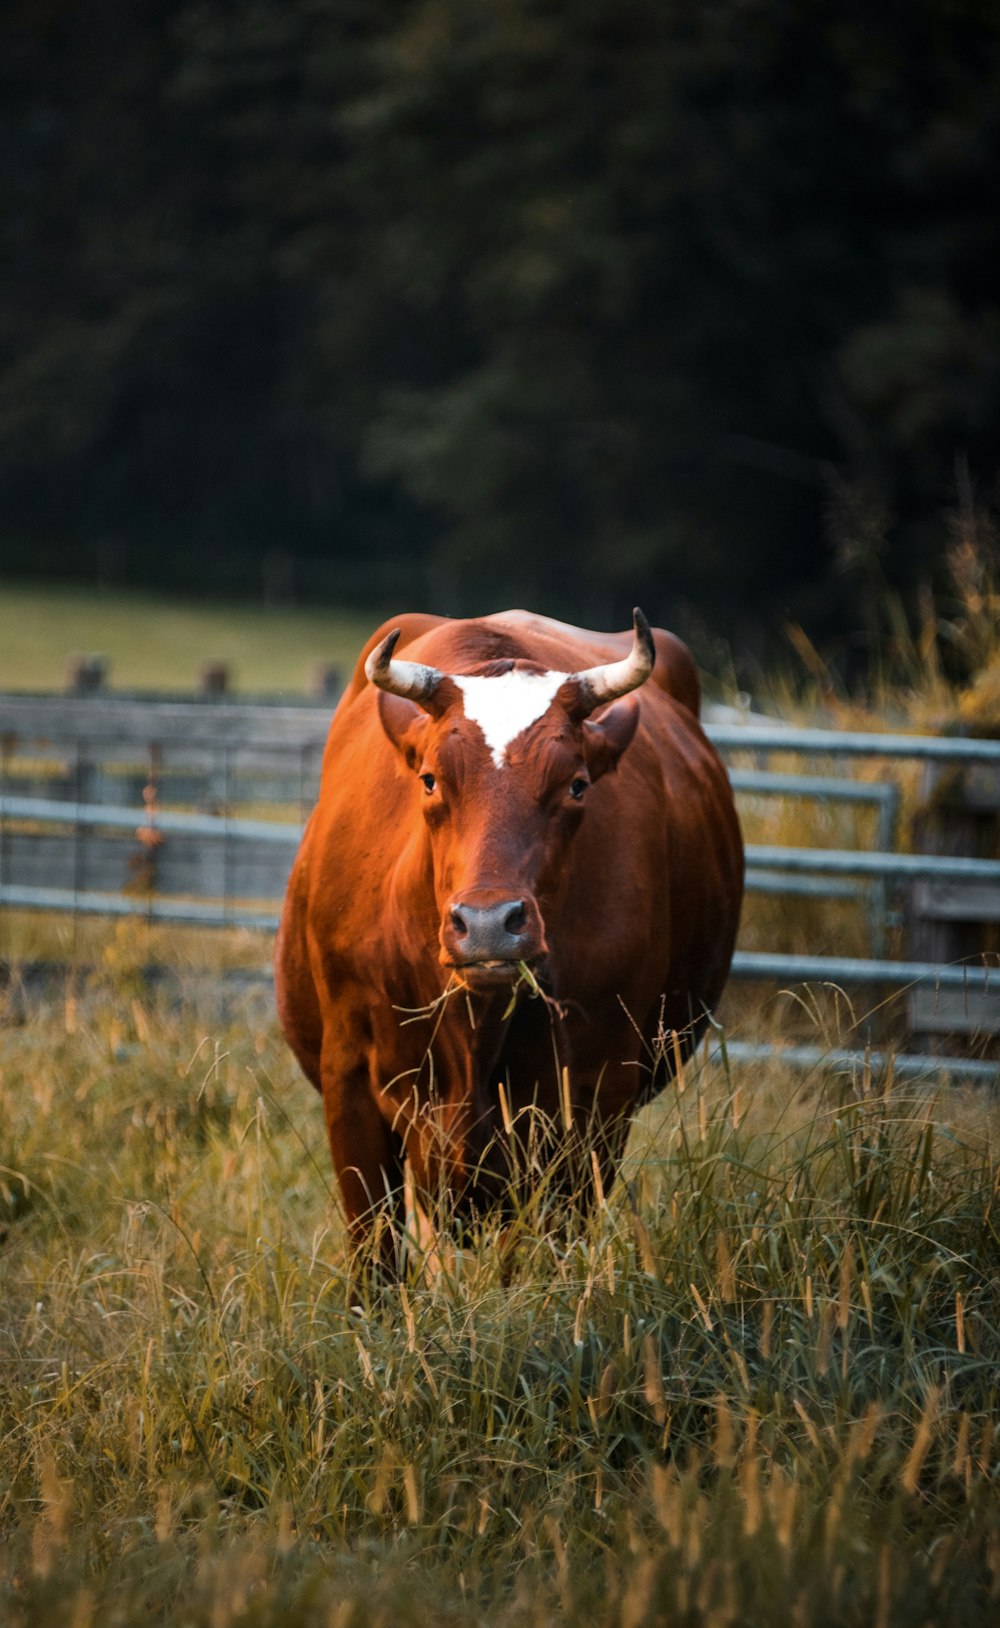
577	788
429	783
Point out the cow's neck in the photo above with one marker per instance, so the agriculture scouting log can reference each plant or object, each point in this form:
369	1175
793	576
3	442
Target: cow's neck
484	1045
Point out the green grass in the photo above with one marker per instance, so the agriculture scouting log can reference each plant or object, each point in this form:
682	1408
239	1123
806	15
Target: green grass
154	643
760	1386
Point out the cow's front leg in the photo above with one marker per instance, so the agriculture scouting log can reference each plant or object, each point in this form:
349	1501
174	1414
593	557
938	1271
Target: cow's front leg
367	1158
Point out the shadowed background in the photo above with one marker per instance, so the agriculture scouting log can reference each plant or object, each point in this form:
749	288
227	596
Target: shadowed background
452	306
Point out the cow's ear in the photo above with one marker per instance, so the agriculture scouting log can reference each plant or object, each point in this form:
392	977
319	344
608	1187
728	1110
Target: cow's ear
405	724
606	737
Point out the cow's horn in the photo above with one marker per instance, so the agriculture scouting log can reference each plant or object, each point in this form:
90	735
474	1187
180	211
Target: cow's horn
409	678
596	685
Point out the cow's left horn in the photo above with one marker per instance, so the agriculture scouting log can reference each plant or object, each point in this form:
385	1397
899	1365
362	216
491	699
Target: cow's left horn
596	685
409	678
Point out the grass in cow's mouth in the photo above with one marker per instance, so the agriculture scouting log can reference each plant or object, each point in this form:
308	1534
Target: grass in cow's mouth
416	1014
518	977
527	980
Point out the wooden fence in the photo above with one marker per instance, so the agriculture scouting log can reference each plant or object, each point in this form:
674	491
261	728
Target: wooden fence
185	810
115	768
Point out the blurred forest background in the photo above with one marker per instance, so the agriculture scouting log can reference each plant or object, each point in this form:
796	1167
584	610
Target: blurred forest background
694	302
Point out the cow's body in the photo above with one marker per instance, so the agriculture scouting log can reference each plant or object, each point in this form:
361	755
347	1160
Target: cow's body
444	849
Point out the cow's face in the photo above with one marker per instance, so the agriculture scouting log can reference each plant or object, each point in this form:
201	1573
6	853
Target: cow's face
503	762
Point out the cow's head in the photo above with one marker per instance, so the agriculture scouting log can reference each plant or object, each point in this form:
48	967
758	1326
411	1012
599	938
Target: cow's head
504	759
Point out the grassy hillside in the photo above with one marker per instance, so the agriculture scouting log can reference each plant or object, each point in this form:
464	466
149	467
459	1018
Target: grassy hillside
153	643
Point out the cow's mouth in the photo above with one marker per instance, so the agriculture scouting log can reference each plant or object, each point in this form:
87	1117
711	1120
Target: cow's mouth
494	974
485	974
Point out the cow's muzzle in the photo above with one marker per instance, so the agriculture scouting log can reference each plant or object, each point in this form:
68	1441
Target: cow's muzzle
485	936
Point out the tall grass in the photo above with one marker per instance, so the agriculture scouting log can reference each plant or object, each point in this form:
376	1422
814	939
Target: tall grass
758	1385
926	659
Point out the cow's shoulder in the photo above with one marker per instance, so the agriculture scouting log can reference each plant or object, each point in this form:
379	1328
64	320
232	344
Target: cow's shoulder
675	670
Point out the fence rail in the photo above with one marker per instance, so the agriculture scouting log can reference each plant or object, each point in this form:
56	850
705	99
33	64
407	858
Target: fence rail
843	1060
180	912
976	978
49	811
852	743
759	856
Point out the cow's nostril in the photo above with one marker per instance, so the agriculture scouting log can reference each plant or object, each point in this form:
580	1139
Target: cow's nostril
514	919
459	923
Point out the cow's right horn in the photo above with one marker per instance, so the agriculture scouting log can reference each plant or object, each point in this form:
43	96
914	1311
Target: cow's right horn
408	678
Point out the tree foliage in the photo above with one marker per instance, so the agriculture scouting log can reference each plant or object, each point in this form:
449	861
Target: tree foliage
574	302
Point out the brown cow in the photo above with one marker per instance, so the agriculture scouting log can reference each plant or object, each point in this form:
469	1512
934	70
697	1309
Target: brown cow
498	800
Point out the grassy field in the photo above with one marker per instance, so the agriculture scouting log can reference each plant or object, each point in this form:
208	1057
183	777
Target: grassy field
760	1386
159	644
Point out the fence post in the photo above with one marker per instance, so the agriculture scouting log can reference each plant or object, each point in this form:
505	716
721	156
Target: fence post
213	679
326	681
86	675
951	921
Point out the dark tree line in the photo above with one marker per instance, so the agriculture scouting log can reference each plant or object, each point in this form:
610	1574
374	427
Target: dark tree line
573	303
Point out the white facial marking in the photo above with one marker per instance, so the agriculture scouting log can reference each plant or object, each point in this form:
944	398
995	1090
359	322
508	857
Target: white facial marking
504	707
